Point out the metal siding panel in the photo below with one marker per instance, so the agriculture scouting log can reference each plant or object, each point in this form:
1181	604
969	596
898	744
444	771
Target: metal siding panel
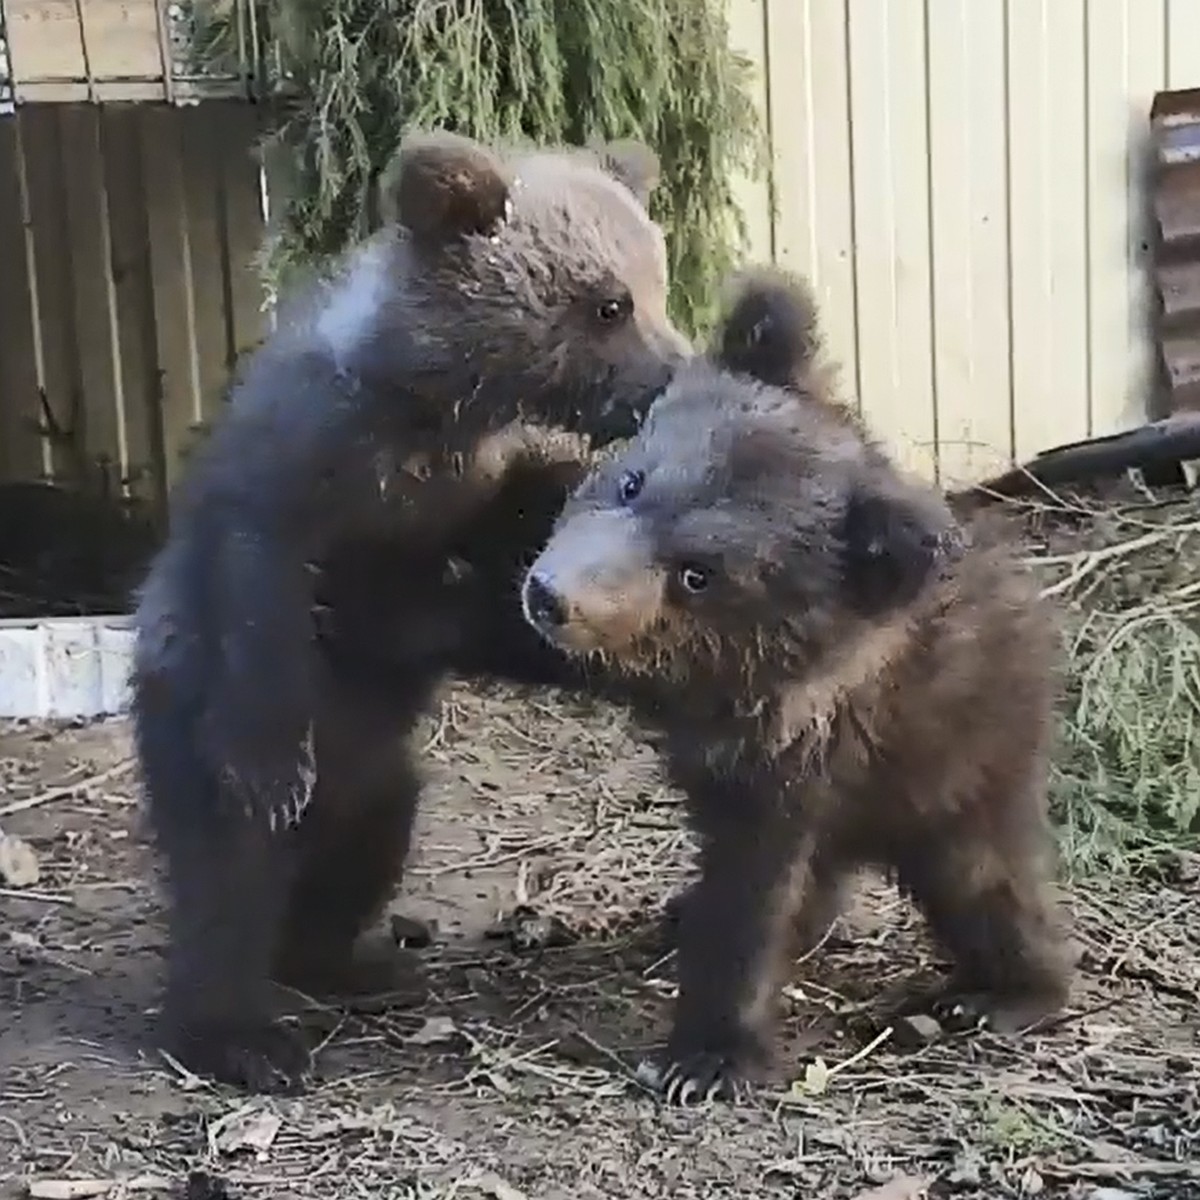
970	238
1176	245
891	212
1181	347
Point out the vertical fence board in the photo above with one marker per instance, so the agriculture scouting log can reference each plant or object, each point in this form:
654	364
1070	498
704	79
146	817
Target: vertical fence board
20	410
61	381
1048	139
1125	48
889	139
133	288
203	132
172	271
970	237
1183	46
748	36
89	254
808	55
241	208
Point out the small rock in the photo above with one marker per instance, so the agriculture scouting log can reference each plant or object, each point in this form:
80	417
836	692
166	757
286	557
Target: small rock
916	1030
1107	1193
18	863
648	1075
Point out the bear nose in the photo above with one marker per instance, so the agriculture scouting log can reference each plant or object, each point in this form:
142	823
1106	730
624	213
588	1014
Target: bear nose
544	605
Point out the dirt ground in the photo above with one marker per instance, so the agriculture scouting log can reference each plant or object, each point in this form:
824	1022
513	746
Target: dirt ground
514	1075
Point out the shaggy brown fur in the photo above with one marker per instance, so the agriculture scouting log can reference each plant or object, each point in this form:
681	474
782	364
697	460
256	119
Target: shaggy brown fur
376	466
846	678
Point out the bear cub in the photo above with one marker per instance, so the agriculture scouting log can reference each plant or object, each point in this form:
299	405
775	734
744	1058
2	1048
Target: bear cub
846	677
373	441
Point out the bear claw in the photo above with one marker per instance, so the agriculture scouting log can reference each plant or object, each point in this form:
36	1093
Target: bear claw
962	1012
701	1078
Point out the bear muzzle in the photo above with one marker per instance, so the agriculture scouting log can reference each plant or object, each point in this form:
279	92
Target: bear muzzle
594	586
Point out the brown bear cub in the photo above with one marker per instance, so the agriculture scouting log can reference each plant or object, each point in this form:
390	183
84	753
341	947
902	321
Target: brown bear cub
377	443
845	677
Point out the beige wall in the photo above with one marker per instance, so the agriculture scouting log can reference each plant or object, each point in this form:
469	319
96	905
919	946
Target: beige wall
962	181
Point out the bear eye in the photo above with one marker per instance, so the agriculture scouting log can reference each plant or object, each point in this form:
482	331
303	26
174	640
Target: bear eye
693	577
614	309
629	486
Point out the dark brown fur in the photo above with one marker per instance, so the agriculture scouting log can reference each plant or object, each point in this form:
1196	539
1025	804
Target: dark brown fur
846	677
346	537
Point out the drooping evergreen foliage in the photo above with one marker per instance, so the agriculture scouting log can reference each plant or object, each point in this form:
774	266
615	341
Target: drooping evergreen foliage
349	76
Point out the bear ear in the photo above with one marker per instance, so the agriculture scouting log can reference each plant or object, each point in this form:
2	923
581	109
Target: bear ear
893	543
442	186
768	328
632	163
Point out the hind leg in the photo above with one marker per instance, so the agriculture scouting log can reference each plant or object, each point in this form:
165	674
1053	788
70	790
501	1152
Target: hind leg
822	901
227	875
354	846
342	890
987	902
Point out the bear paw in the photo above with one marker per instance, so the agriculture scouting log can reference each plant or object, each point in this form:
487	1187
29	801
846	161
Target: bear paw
267	1059
961	1012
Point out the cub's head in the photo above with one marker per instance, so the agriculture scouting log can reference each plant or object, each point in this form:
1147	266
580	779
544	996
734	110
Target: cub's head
539	274
744	529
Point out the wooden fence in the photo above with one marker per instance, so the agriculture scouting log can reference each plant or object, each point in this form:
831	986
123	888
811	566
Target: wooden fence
963	180
127	284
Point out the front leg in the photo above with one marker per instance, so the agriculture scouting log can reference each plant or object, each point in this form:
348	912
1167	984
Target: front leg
734	934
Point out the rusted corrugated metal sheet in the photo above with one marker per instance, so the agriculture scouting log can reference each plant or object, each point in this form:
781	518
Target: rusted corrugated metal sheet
1175	125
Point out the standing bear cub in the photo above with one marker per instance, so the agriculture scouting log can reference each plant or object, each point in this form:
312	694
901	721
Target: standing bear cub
369	446
846	679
